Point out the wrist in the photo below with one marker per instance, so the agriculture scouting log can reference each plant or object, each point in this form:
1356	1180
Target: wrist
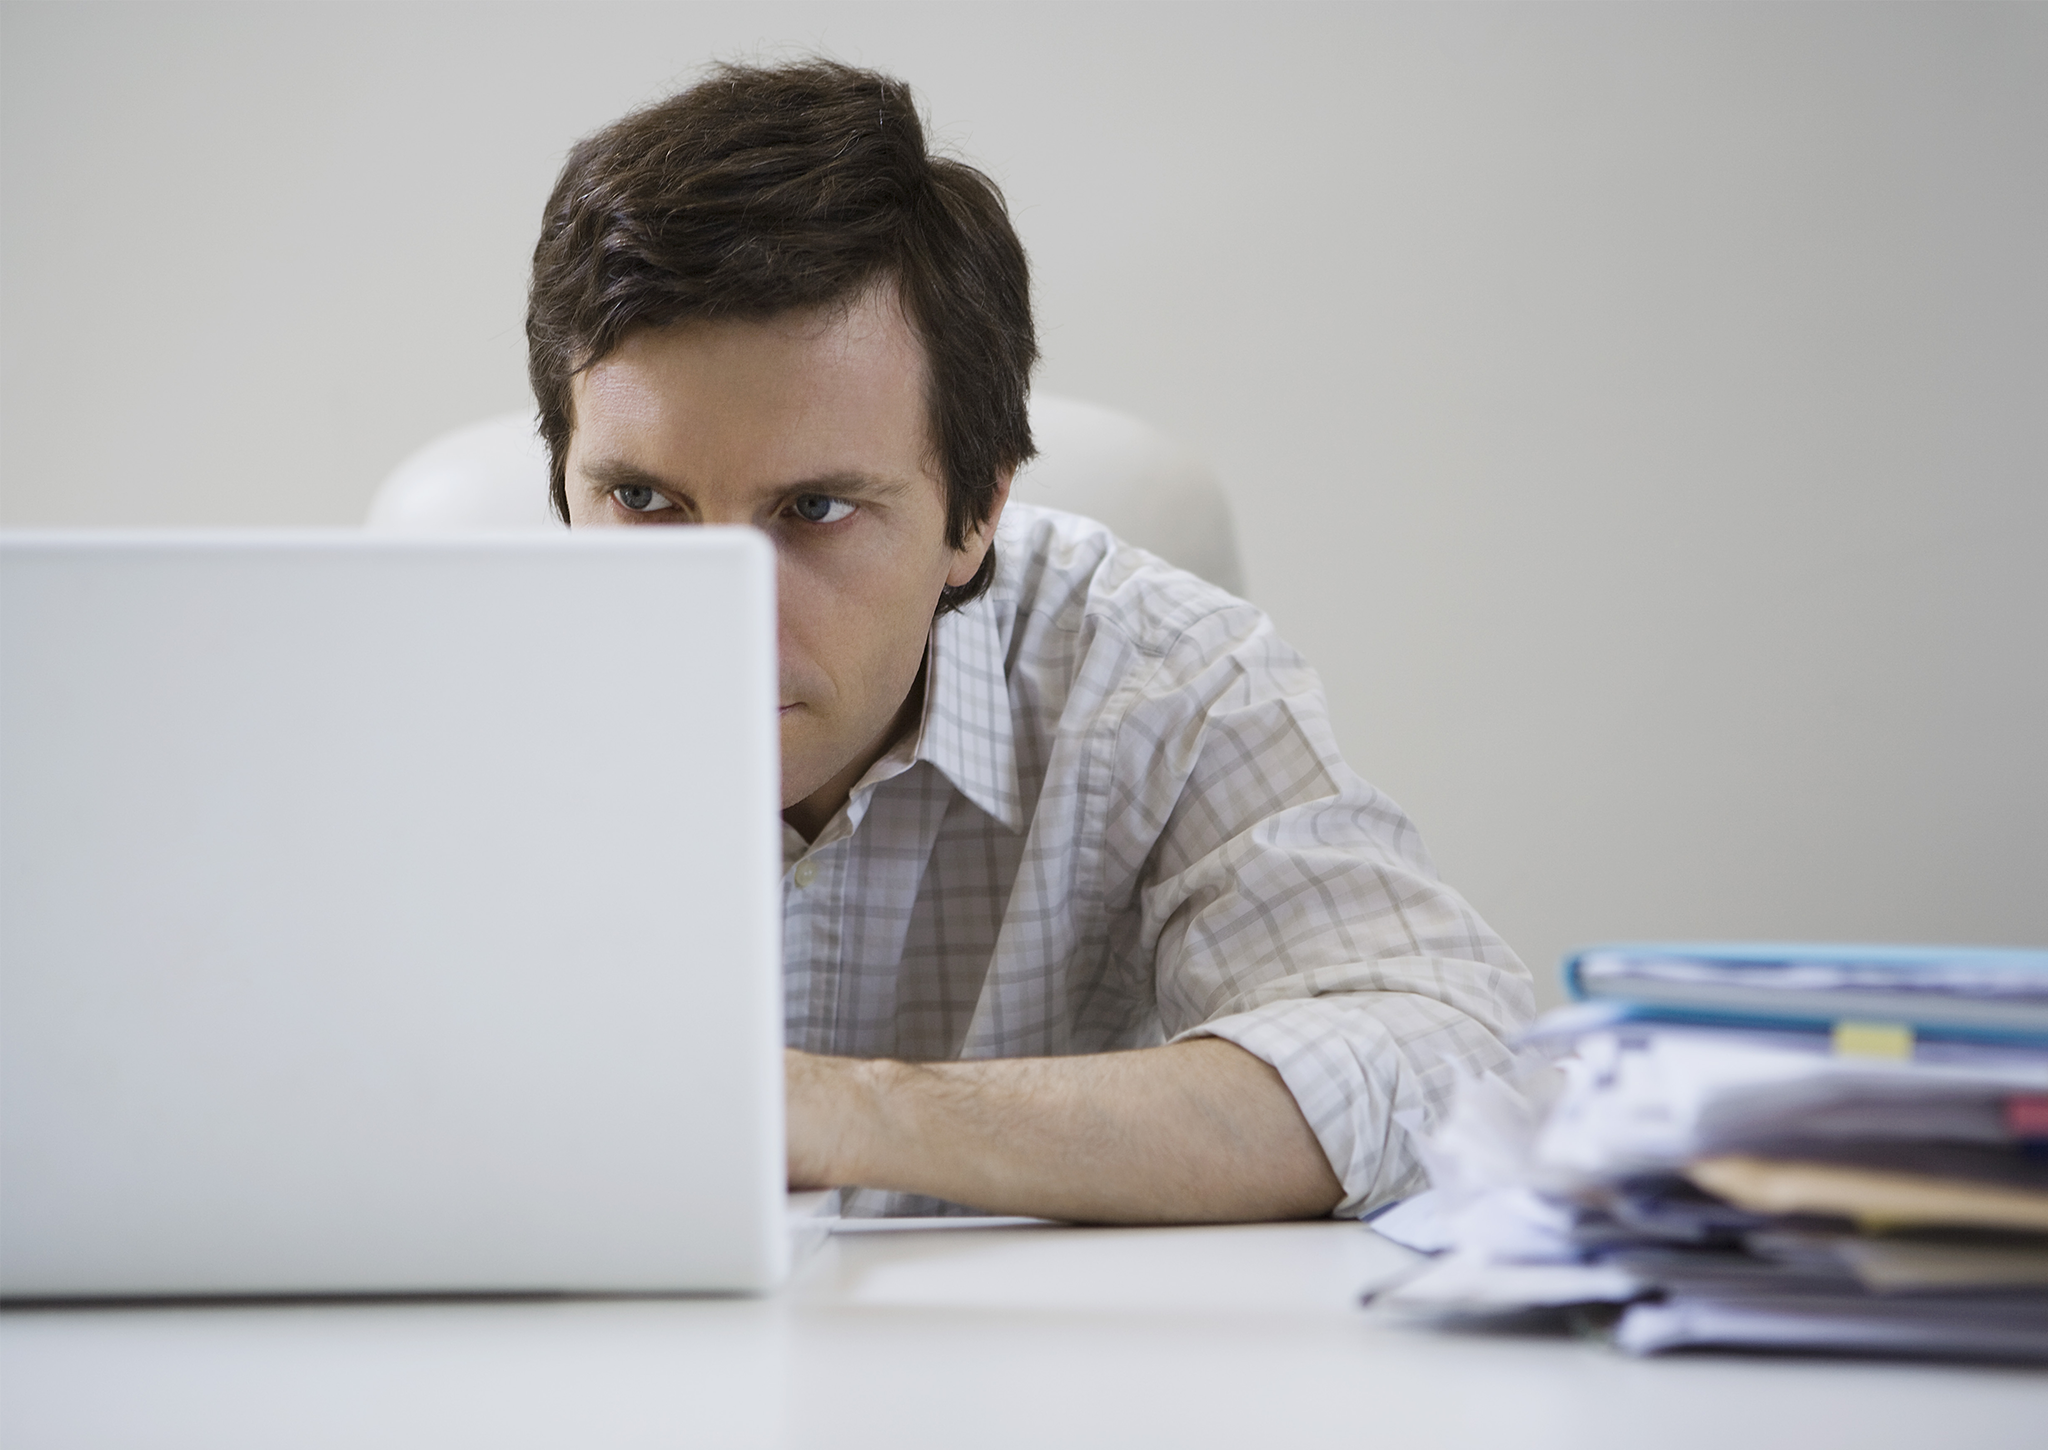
863	1095
834	1120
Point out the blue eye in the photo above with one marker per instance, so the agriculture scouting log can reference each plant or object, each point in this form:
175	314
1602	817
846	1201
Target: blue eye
640	499
818	508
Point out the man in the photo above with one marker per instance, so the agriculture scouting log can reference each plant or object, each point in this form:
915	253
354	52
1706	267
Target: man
1084	916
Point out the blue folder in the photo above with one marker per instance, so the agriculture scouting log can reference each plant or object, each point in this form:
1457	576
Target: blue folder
1974	993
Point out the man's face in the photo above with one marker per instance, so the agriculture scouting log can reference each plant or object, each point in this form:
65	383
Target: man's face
812	427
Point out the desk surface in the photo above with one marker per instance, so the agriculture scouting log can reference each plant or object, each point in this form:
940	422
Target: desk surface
1043	1336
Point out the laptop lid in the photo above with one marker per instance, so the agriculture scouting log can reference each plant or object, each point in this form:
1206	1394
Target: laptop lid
389	915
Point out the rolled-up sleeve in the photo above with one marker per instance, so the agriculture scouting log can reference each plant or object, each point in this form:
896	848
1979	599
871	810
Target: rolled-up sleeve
1290	908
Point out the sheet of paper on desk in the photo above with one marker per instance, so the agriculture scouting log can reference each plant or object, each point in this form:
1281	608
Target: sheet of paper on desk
1417	1223
1846	1326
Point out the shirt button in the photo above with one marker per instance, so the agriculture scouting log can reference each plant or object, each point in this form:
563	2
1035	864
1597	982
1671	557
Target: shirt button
806	872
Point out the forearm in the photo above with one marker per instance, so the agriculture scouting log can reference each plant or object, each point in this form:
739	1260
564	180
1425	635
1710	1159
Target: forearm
1196	1131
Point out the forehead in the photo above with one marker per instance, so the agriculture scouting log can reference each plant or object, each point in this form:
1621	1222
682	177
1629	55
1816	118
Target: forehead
799	394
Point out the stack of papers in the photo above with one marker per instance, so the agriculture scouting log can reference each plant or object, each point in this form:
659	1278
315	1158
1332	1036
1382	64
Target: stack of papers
1868	1185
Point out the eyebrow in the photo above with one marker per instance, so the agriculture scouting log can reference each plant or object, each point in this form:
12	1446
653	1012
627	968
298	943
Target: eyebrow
607	474
611	473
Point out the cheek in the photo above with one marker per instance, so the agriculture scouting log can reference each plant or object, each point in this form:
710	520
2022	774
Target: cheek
859	622
861	582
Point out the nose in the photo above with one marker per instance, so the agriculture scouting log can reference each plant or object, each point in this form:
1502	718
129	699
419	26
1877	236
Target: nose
714	511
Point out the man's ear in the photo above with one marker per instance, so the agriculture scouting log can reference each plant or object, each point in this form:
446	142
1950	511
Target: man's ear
967	558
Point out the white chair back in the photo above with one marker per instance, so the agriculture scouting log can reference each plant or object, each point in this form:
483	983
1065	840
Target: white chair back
1091	460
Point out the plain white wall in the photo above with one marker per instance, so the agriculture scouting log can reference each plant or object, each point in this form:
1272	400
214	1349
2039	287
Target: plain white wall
1638	413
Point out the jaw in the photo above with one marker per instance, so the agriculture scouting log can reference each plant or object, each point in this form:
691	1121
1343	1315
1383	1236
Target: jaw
802	771
816	777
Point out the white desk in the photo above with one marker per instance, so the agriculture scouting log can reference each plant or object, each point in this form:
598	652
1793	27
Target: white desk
1245	1336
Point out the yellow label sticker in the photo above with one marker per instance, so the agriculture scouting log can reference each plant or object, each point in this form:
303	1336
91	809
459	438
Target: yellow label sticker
1873	1039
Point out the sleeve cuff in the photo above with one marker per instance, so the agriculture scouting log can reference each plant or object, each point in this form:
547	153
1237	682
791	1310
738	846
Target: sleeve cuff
1359	1067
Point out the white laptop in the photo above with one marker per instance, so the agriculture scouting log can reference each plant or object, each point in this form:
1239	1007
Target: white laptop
389	915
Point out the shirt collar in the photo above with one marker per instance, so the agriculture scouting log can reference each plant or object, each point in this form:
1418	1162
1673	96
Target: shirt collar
966	733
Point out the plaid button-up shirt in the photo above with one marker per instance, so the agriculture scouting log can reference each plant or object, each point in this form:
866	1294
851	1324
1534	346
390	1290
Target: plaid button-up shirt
1121	821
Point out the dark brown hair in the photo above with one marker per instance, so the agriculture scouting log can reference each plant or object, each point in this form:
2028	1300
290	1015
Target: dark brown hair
758	191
